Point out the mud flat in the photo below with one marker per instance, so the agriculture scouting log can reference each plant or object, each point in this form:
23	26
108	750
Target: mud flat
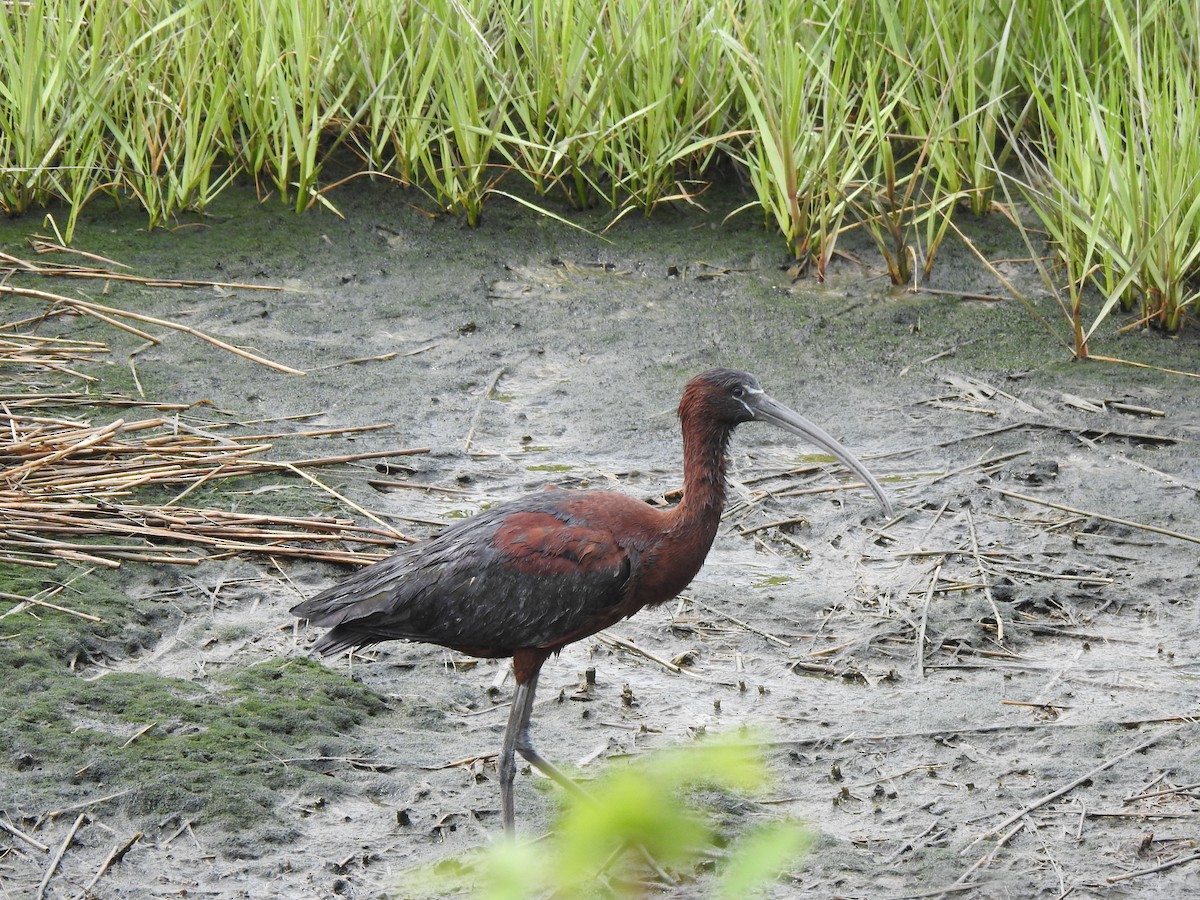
991	695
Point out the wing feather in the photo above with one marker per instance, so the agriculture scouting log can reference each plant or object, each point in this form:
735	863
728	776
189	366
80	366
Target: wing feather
530	573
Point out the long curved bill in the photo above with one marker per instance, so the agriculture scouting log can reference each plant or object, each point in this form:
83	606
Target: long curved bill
765	409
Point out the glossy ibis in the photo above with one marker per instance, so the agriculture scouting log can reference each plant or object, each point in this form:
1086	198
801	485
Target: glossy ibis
527	577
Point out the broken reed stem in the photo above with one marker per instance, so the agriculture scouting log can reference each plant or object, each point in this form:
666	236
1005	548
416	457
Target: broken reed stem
350	503
20	835
383	483
357	457
1071	785
137	734
982	464
70	480
987	858
34	601
91	308
111	315
325	432
791	521
736	621
42	244
855	737
115	855
983	576
475	418
54	863
18	474
1169	864
827	489
1153	529
96	314
215	472
1150	795
607	637
25	267
933	580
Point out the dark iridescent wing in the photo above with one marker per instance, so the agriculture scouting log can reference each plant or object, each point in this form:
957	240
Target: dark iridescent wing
530	573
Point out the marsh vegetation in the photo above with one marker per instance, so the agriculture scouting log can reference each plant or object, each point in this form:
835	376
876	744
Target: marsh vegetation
1073	119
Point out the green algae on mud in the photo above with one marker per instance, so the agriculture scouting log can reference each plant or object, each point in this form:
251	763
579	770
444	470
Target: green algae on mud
215	751
46	639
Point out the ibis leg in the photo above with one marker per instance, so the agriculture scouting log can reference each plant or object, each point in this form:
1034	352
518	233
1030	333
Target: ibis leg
524	746
516	739
516	736
518	720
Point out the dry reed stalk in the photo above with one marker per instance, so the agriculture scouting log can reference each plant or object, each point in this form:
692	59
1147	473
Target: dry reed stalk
101	311
61	270
68	493
111	315
68	487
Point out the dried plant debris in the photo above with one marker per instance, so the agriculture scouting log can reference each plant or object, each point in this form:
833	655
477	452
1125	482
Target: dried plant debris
98	491
73	490
60	304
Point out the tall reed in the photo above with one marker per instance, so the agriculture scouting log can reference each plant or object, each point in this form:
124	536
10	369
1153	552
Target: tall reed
886	199
168	105
39	97
285	99
1118	187
794	90
557	93
668	87
873	114
467	116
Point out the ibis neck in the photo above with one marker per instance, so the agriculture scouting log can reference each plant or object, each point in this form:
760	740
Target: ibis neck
684	535
705	462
